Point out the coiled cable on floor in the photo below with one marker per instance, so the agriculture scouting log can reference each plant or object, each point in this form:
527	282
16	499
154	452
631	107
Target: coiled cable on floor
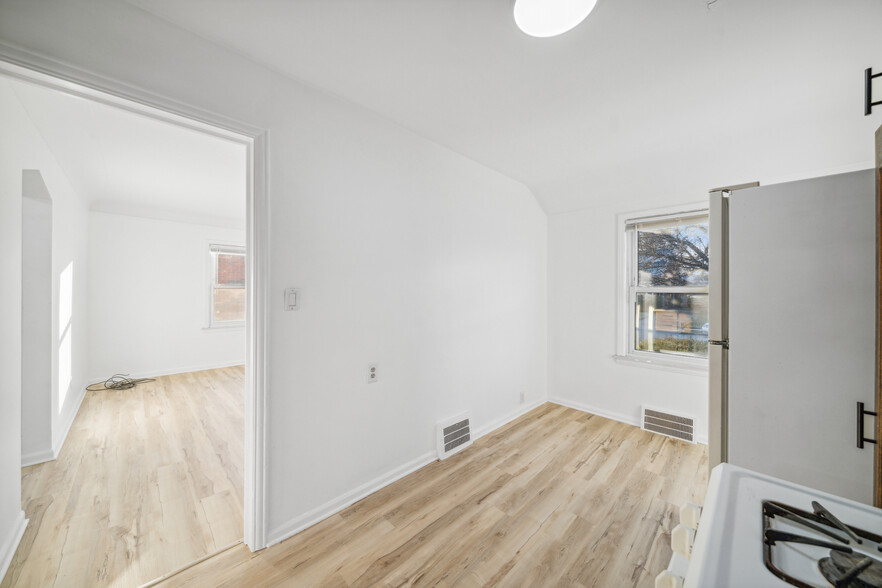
118	382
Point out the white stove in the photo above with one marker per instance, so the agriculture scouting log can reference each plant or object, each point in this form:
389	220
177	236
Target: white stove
757	531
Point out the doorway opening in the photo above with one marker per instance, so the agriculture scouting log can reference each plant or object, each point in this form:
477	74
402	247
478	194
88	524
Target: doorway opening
179	447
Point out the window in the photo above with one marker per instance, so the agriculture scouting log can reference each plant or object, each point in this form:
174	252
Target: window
665	301
227	300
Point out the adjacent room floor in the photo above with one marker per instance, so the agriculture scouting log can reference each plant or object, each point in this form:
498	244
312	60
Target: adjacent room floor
555	498
148	480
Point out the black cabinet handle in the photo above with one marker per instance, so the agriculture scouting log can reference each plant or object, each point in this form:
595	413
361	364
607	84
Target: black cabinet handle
860	425
869	76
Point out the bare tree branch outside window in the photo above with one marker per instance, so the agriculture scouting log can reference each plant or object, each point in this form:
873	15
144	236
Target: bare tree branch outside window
676	256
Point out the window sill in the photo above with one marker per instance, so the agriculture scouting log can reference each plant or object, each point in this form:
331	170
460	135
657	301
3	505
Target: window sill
670	364
224	327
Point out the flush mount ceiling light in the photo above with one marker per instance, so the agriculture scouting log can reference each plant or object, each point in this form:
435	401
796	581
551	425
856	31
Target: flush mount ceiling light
547	18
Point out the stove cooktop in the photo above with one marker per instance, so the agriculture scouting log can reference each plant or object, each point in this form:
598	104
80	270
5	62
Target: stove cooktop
742	507
845	556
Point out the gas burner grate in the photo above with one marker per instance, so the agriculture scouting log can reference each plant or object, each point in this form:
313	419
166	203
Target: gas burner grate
851	570
853	560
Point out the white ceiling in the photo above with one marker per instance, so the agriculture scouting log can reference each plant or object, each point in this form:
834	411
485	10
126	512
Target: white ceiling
127	163
633	80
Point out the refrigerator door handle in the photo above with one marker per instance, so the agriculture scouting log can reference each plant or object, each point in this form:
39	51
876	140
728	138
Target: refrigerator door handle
718	405
718	267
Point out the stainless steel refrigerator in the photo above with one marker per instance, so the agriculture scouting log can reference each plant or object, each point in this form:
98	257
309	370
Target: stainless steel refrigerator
792	333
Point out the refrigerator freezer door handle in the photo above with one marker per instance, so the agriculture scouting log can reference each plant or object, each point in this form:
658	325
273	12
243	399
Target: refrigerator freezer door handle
718	267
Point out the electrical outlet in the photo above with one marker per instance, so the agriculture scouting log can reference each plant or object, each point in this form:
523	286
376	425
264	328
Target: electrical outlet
373	375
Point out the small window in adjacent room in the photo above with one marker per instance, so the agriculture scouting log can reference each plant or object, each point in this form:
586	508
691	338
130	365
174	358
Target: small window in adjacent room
227	299
665	302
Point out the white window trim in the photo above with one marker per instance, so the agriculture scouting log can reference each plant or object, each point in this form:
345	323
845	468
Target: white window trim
625	353
237	248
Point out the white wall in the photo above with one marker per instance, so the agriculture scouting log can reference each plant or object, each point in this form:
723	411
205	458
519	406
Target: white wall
70	319
22	148
813	130
69	315
36	318
582	292
148	297
583	256
407	255
11	165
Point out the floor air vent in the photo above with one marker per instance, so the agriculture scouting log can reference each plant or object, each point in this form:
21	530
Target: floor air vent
672	425
454	435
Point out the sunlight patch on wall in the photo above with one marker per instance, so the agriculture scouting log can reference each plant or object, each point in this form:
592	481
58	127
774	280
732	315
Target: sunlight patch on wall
65	318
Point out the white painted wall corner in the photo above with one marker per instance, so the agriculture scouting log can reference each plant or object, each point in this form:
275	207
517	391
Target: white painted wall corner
51	453
501	422
69	417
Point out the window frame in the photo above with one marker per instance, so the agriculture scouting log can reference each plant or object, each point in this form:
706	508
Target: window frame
214	248
628	290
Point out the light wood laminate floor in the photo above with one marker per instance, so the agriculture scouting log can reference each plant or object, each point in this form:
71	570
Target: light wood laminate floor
148	480
555	498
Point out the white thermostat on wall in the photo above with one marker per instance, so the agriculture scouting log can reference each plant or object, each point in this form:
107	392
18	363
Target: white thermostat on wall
292	298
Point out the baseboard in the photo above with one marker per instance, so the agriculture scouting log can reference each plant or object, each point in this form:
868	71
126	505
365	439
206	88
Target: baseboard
334	506
172	371
44	455
501	422
622	418
68	423
35	457
10	543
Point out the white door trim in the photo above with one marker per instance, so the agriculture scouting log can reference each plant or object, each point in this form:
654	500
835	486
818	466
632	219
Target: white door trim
37	69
